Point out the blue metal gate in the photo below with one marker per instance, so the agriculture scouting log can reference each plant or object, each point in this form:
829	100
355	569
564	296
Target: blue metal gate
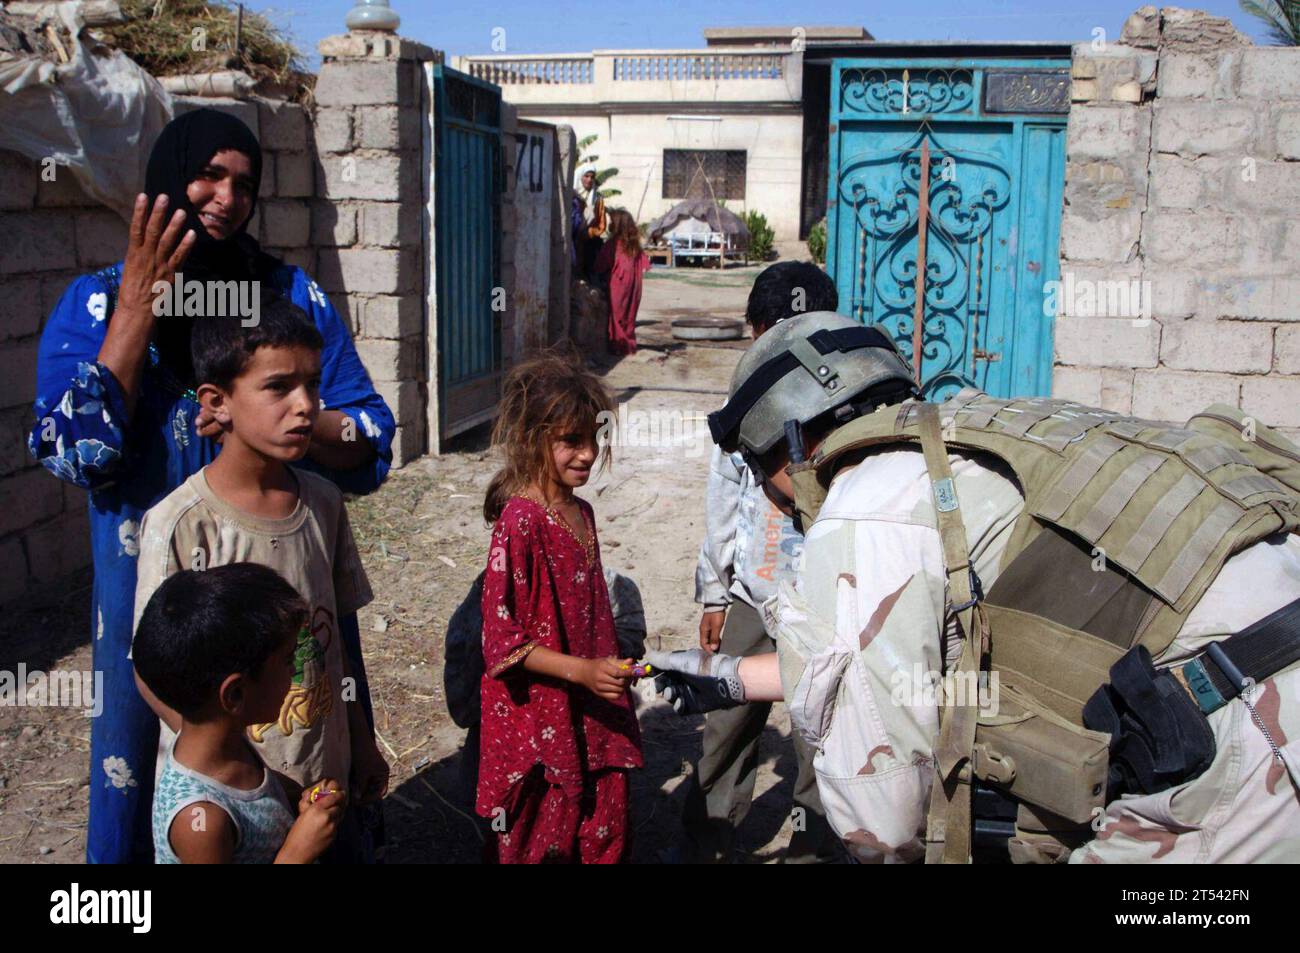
467	201
993	134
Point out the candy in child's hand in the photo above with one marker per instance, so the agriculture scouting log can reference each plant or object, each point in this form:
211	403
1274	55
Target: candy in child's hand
317	794
641	669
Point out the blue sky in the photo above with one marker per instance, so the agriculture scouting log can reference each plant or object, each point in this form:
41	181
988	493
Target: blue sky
537	26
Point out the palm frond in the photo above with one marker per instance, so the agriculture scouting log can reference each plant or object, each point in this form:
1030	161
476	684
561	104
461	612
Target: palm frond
1280	17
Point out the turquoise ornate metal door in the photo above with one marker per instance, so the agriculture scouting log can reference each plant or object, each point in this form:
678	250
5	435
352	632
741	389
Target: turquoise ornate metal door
990	137
467	200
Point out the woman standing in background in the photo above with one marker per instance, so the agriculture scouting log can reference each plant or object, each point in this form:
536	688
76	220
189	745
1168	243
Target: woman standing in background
625	263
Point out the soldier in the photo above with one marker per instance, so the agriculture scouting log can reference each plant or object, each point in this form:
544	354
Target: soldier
1093	617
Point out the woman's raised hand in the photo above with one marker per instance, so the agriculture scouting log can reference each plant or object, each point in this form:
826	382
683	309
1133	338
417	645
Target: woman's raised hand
155	251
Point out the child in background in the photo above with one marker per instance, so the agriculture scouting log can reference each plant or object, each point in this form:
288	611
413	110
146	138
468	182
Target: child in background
624	261
217	647
559	734
261	384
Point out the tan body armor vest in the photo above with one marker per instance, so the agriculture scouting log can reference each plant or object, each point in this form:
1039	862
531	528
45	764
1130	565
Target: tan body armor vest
1126	523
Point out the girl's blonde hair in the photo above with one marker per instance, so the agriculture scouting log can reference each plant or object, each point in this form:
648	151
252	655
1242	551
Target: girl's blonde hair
622	229
544	397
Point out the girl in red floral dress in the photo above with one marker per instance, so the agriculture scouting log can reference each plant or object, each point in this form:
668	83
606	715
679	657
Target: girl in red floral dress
559	734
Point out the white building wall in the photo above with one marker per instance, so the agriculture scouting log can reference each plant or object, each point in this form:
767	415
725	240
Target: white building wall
634	143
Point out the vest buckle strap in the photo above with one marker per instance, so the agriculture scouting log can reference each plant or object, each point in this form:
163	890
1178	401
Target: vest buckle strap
977	592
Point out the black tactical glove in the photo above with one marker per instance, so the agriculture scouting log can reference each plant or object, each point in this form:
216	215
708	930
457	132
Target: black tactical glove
694	681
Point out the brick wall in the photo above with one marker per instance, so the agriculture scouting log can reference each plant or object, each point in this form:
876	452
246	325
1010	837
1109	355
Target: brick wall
1181	177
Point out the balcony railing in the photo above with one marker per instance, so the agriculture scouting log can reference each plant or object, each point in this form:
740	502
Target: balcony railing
532	70
627	66
651	66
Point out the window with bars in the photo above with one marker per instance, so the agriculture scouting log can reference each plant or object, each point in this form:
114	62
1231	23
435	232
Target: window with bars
704	173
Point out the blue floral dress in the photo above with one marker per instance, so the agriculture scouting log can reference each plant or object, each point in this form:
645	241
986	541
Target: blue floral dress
83	435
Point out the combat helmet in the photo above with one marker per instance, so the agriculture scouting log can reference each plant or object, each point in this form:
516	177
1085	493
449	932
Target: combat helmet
804	367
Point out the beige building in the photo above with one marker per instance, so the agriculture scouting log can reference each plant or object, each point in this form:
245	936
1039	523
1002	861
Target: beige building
724	122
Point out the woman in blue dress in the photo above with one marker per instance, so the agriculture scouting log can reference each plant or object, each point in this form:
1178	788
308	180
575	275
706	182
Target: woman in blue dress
116	415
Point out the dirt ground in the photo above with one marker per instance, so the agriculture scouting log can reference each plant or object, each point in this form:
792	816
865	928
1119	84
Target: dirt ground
423	541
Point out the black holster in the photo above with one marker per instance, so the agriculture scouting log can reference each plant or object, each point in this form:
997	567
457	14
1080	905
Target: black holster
1158	735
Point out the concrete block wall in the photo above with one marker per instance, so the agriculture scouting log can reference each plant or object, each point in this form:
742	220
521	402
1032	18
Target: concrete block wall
53	232
1181	183
367	218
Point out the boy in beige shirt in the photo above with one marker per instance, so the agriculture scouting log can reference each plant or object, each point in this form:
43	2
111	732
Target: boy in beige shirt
261	384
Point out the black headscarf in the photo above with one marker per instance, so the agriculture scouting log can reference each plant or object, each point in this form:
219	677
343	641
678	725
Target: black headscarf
184	147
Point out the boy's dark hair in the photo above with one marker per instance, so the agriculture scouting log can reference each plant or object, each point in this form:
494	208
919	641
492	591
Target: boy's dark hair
200	627
773	295
221	347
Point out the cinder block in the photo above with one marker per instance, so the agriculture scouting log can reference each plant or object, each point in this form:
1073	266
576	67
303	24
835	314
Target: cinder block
370	270
364	83
18	177
1274	399
1177	182
245	110
1117	389
286	223
333	128
410	442
18	374
1162	394
59	547
392	317
333	225
1197	76
1287	352
27	497
1209	239
385	177
62	191
1107	132
284	126
392	360
13	570
1267	186
22	313
295	175
266	188
390	224
101	238
406	399
1107	342
1203	128
1287	130
1269	73
1250	298
37	241
1174	294
15	424
388	127
1110	238
1080	384
1234	347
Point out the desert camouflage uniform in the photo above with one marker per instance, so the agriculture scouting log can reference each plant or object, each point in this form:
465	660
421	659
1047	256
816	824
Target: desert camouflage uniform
865	621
